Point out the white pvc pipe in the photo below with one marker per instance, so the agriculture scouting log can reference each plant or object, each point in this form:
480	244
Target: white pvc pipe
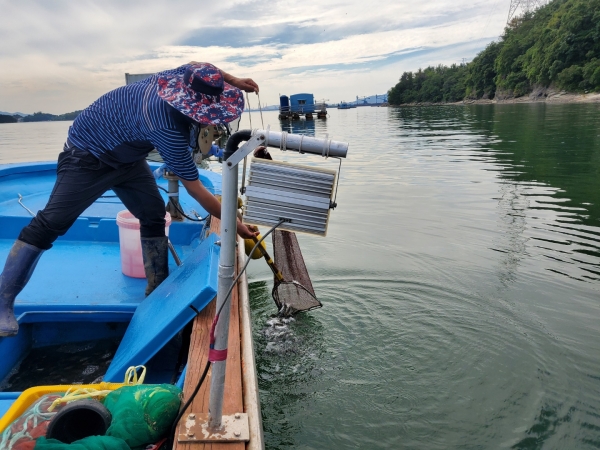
225	279
303	144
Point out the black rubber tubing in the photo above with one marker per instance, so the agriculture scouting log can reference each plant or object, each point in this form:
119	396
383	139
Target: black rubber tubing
234	141
79	419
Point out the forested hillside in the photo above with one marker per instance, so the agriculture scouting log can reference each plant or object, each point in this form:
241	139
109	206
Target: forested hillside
557	46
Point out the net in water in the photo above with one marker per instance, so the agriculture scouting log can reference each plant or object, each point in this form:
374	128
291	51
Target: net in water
296	293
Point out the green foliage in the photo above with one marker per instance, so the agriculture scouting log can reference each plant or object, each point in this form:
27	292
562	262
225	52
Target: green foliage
591	74
558	45
553	46
481	73
434	84
571	77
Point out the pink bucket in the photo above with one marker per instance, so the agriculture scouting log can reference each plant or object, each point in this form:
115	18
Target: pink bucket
132	263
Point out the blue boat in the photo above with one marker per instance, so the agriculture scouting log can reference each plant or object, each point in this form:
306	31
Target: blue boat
81	320
78	292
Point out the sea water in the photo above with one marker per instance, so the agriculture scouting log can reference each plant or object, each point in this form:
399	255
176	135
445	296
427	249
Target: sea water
460	282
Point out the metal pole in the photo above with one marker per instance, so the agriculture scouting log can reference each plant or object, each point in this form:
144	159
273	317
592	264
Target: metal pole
233	156
226	275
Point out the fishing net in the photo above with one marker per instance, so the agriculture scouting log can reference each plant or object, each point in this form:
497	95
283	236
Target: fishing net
31	425
29	431
143	414
295	293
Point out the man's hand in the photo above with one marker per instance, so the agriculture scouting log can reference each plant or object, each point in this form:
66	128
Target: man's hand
245	84
246	231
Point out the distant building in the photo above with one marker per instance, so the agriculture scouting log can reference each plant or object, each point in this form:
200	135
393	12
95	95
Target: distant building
376	99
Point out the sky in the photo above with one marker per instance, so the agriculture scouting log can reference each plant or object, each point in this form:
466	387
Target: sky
58	56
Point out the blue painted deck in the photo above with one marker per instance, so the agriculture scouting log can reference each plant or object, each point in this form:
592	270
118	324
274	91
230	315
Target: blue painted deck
78	292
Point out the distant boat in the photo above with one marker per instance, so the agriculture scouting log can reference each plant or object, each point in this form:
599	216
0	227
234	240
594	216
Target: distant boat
344	105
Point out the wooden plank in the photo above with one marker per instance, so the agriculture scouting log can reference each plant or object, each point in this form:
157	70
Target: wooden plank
197	359
249	375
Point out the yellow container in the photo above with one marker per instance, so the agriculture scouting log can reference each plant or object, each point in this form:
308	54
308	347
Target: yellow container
29	396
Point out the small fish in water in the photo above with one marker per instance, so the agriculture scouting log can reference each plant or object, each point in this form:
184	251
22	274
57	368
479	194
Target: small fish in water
286	311
280	335
90	370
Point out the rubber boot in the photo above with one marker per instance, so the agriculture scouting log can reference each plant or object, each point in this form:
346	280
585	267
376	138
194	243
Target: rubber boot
19	266
155	252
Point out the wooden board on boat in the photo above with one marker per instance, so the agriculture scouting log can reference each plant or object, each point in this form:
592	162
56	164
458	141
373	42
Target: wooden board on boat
197	358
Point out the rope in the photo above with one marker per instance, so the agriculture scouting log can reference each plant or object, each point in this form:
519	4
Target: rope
198	218
233	284
249	107
131	379
337	181
243	188
260	109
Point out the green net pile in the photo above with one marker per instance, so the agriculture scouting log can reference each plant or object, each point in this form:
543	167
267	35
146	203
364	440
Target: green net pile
141	415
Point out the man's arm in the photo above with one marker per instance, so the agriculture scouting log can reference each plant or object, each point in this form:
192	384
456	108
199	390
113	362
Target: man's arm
245	84
212	205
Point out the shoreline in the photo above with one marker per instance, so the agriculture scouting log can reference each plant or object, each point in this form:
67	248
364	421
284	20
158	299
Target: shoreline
550	97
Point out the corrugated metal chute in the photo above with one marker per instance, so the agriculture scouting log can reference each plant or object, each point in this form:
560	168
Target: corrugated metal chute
300	194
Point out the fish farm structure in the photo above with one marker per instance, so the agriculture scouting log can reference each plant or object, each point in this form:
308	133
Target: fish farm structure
297	105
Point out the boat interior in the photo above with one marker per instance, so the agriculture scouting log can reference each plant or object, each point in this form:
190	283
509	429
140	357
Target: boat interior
81	319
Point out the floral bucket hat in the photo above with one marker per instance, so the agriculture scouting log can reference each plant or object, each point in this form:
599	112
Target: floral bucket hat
202	94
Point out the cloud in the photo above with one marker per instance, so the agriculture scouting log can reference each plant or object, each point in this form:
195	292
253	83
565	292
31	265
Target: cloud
60	56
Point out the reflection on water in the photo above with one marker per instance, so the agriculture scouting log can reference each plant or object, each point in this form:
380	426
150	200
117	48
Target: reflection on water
554	181
459	280
306	127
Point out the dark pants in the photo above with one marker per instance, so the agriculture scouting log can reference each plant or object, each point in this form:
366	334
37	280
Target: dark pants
81	180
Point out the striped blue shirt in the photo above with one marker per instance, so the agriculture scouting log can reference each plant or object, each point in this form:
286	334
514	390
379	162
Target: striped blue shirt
124	125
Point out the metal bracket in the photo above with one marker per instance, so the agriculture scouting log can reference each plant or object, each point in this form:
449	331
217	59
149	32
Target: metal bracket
234	428
250	145
23	205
